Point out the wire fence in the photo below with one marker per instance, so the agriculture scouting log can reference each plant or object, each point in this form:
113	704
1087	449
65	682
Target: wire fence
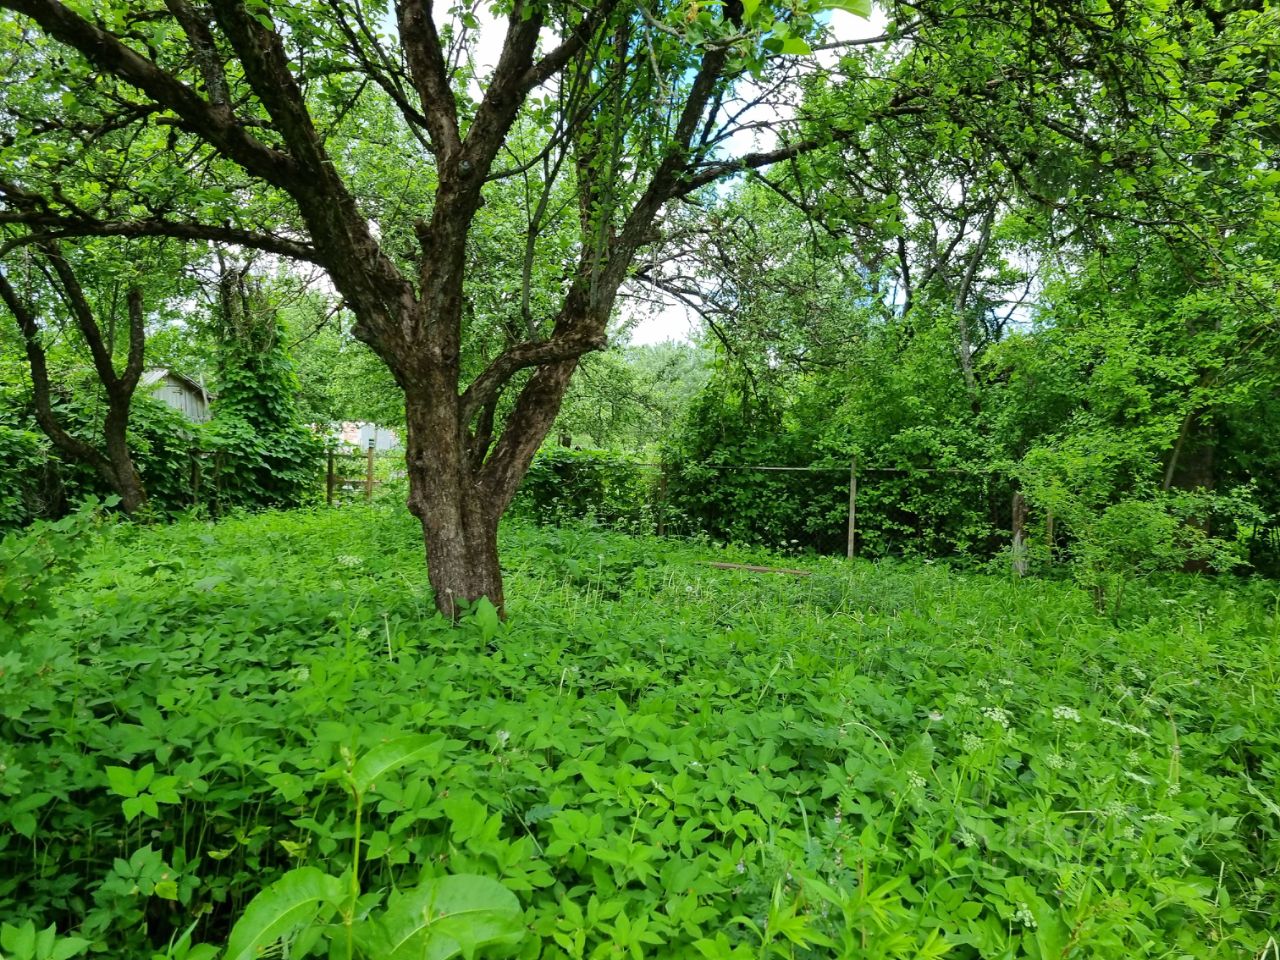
852	509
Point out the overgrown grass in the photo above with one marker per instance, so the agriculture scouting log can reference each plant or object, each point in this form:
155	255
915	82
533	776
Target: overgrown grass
660	759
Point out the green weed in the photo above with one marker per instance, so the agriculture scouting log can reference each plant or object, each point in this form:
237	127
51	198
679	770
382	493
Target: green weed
259	734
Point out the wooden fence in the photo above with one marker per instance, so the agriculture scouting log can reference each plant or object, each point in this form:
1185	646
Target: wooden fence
1018	506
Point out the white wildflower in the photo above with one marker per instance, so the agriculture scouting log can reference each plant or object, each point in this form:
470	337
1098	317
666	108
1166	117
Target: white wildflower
916	781
997	715
935	716
971	742
1024	916
1066	713
347	560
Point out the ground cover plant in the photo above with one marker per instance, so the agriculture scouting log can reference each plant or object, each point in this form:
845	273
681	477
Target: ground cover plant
258	738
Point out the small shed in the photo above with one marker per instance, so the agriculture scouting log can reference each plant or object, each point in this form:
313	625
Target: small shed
180	392
360	433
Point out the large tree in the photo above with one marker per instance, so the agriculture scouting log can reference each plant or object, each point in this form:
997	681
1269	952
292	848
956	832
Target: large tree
273	107
367	140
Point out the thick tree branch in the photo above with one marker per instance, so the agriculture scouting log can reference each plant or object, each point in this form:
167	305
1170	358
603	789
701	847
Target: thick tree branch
73	296
107	52
73	447
430	76
578	38
52	226
530	353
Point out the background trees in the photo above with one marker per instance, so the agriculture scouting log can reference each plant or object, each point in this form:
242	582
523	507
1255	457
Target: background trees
861	265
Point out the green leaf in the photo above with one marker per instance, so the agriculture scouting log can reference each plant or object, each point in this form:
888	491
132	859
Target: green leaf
859	8
69	947
121	780
291	902
796	45
19	942
132	807
445	917
391	755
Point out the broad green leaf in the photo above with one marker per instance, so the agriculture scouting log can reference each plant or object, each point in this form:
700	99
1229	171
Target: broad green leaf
391	755
122	782
445	917
280	909
19	942
69	947
859	8
795	45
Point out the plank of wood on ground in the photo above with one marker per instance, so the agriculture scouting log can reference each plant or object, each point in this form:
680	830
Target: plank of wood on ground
752	568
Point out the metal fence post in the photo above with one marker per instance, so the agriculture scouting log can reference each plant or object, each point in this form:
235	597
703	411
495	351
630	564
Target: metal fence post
852	545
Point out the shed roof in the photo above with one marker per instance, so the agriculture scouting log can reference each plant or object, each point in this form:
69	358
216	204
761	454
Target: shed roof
153	376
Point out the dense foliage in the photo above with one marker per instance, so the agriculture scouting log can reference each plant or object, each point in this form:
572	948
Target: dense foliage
652	756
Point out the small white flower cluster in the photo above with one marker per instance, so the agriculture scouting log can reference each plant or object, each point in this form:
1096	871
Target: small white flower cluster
997	715
915	780
347	560
1115	808
502	736
1055	761
962	700
971	742
1066	713
1157	818
1128	727
300	675
935	716
1024	916
966	838
1138	778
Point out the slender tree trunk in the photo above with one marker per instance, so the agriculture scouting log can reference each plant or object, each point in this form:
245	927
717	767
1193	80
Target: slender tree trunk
126	479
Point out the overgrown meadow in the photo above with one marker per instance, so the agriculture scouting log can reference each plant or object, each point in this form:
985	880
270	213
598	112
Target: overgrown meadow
255	738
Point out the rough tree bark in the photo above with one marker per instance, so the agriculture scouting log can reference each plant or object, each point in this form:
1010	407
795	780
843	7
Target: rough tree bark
114	461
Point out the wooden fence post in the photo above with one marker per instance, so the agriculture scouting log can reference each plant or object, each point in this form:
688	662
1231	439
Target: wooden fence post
329	480
195	479
1019	550
852	544
368	478
1048	533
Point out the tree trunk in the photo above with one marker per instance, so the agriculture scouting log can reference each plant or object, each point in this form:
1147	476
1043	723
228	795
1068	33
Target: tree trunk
459	527
126	480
